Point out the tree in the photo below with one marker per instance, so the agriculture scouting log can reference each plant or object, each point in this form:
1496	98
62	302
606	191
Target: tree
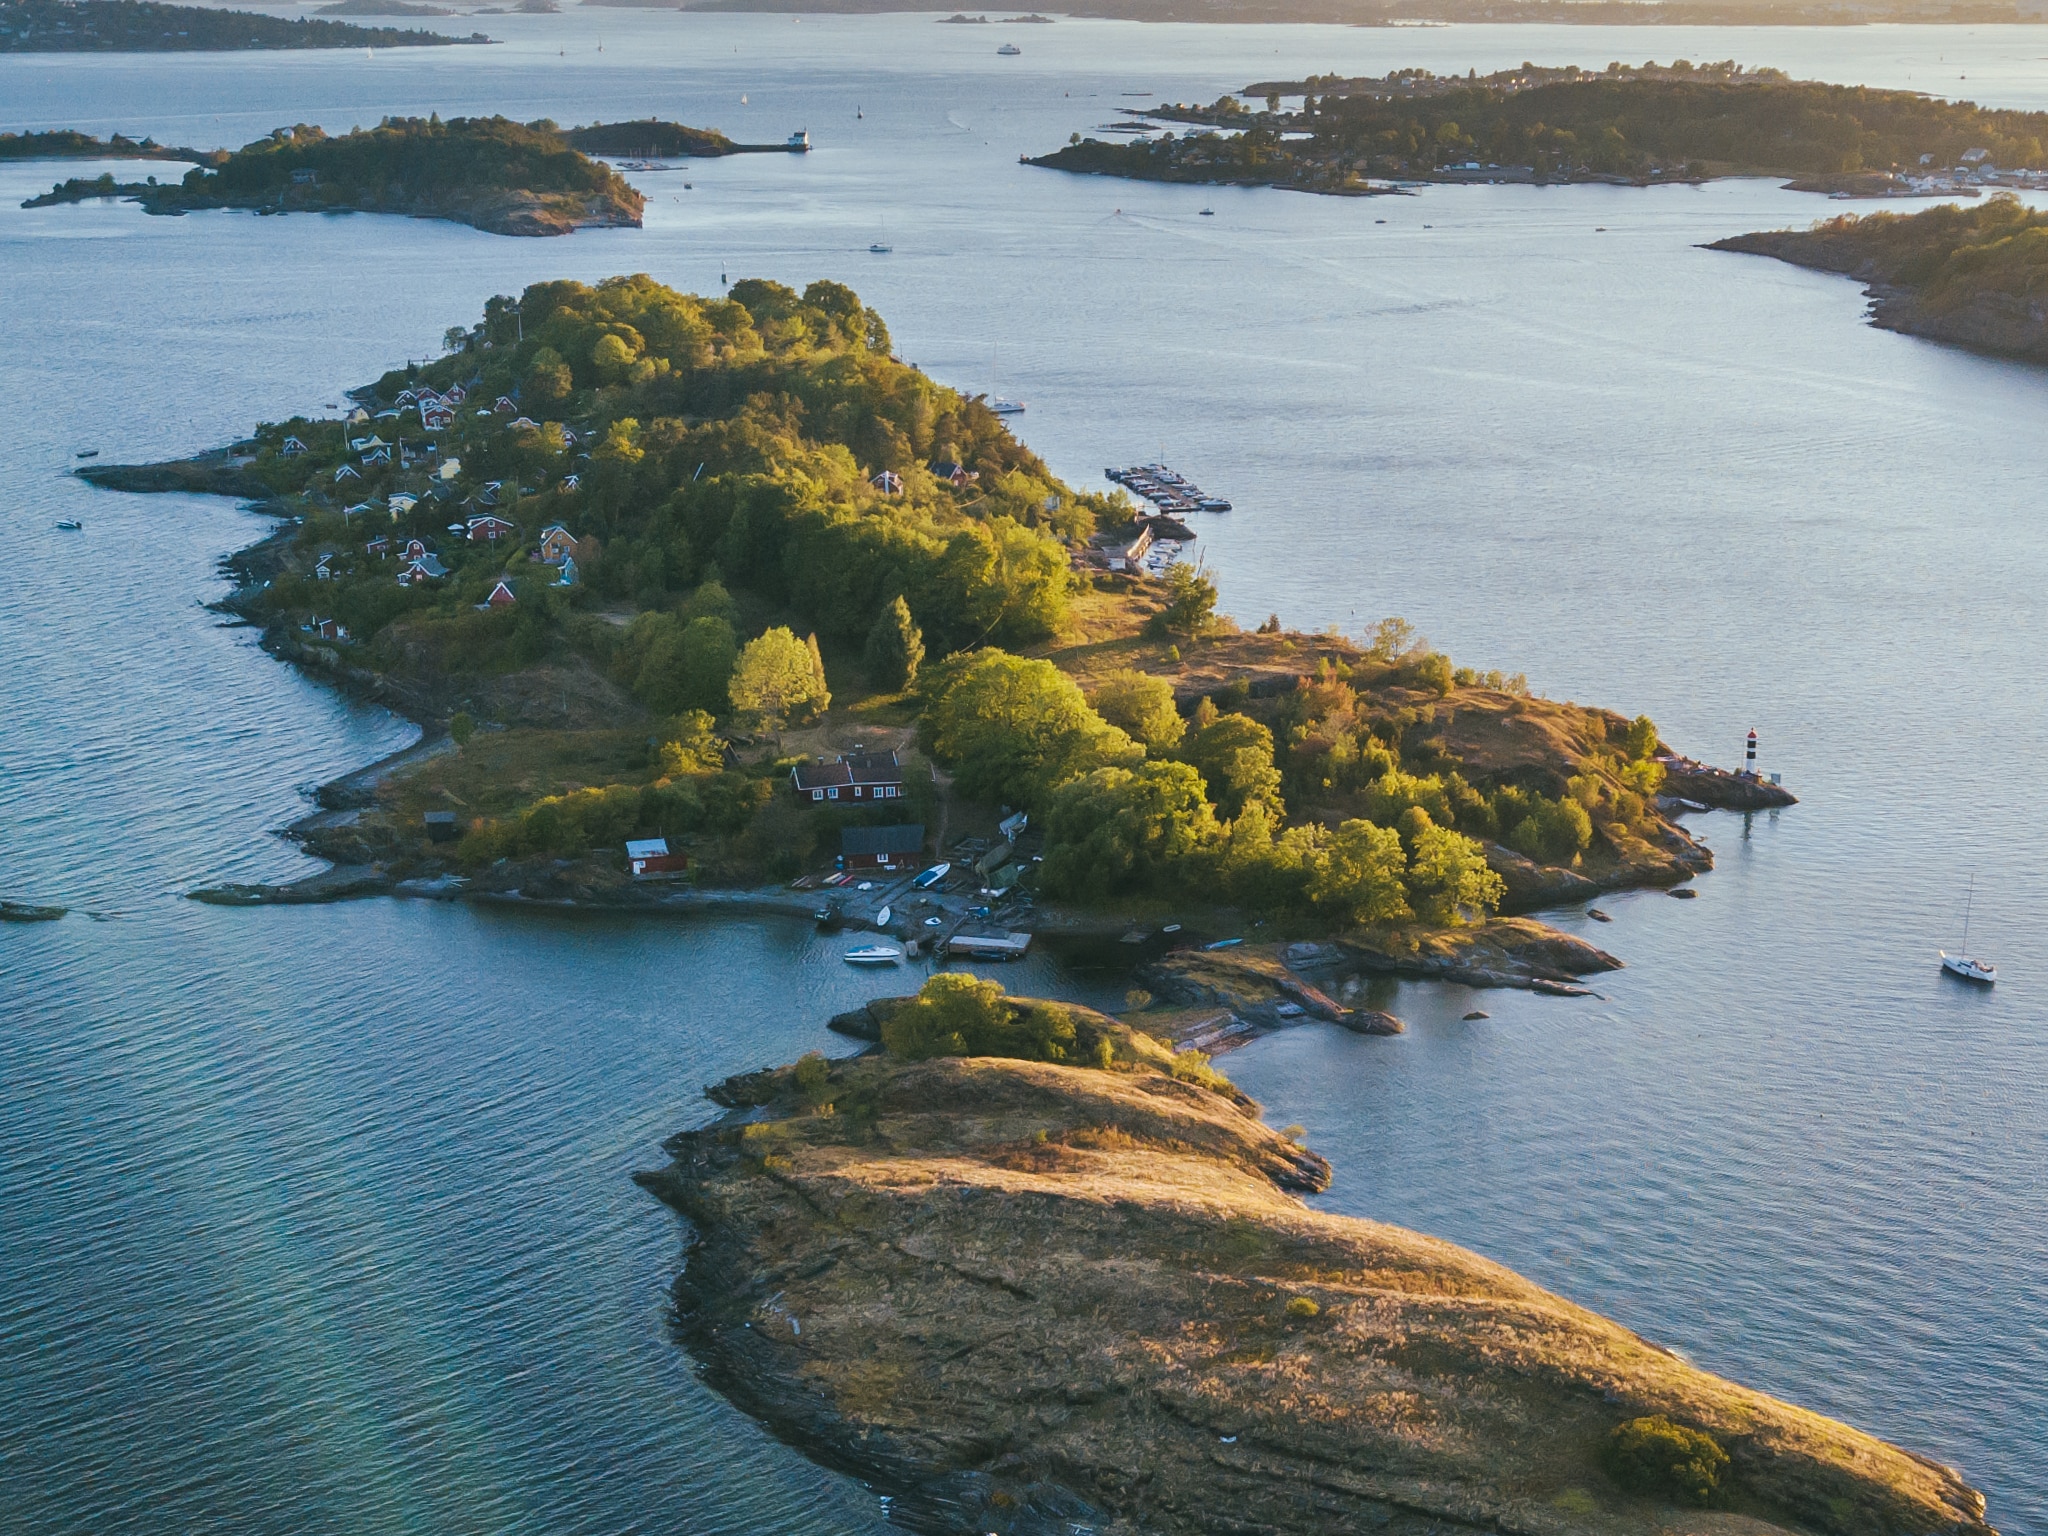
1012	729
1234	755
1142	707
1391	640
1356	872
1639	740
1190	602
777	679
1119	829
710	650
895	648
695	748
1447	873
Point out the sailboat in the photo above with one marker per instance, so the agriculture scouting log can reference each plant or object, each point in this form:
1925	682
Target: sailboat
1962	964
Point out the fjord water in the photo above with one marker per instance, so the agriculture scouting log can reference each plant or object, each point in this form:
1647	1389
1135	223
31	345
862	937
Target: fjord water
319	1219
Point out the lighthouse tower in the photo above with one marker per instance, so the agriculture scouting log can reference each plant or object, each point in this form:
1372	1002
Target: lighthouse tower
1749	758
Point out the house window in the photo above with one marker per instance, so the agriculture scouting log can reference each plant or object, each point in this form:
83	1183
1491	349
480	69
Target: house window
833	793
817	794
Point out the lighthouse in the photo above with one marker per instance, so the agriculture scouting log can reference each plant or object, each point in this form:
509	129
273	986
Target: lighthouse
1749	758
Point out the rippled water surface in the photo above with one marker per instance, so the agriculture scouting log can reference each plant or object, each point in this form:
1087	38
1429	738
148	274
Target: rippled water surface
318	1219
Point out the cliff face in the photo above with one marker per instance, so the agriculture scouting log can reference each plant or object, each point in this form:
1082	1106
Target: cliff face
1024	1298
1987	320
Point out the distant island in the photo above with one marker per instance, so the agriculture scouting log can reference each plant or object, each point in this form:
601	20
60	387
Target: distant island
143	26
499	176
1976	277
1022	1267
70	144
723	573
1683	122
1405	13
380	8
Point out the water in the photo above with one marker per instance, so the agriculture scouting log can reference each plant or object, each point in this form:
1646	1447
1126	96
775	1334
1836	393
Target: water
318	1219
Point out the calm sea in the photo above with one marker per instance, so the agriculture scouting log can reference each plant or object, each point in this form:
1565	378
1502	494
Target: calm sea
318	1220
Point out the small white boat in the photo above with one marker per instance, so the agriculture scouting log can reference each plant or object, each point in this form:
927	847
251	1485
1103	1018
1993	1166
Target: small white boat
882	917
1007	407
1963	964
932	876
1009	50
880	249
1968	968
874	954
70	524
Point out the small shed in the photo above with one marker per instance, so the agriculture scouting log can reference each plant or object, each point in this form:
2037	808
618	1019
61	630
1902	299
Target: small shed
880	847
502	596
649	858
441	826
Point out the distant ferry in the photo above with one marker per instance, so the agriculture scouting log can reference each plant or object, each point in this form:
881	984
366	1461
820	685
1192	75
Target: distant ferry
798	143
1009	50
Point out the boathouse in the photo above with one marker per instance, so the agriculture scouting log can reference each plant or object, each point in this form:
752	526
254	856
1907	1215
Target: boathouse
880	847
649	858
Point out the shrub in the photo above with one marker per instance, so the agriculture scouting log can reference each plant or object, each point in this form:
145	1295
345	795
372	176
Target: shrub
1192	1066
1142	707
961	1015
1655	1456
461	727
1302	1306
811	1075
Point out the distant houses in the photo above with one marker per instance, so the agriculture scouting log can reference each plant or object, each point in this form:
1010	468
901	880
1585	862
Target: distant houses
954	474
488	529
502	596
858	776
419	571
292	448
557	544
888	482
649	858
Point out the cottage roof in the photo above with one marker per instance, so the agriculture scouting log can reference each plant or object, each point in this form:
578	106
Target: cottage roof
866	841
849	769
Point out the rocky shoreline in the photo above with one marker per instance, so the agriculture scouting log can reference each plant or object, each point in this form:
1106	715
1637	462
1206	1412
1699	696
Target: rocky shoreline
1020	1298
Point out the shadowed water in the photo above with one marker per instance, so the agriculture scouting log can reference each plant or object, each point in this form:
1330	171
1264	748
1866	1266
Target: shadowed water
318	1219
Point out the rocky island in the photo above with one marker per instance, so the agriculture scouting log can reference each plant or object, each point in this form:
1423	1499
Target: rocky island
1026	1269
1681	122
144	26
496	175
725	575
1975	277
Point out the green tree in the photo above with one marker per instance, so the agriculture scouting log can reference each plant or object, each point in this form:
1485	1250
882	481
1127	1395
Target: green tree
1448	876
1190	601
895	648
1392	639
777	680
1653	1455
1639	740
1013	729
1234	755
710	651
1142	707
694	747
1355	873
1124	829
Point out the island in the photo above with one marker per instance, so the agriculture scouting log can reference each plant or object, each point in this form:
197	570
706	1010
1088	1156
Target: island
496	175
1975	277
1639	126
143	26
1021	1267
714	602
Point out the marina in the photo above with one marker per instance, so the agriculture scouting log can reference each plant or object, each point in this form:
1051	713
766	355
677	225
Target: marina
1166	490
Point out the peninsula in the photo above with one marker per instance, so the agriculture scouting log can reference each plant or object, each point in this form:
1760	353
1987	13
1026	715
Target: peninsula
1023	1268
1682	122
143	26
726	574
499	176
1976	277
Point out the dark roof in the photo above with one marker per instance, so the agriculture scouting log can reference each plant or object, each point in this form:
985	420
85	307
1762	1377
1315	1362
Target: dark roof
439	818
867	840
851	768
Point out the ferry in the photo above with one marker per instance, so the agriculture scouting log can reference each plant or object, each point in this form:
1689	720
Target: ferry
797	143
1009	50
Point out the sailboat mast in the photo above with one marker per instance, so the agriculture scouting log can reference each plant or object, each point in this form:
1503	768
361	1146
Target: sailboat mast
1969	899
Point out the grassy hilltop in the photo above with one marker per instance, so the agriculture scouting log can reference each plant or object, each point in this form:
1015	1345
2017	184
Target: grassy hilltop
1026	1270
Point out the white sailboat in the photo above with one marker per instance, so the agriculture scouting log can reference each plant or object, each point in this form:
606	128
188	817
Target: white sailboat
1963	964
996	402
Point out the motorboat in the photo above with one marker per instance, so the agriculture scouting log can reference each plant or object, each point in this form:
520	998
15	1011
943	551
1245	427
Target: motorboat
882	917
873	954
1208	213
932	876
879	249
1009	50
1007	407
70	524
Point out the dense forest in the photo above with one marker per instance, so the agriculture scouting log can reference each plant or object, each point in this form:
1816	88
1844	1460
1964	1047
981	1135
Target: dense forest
142	26
635	526
501	176
1680	121
650	137
1975	276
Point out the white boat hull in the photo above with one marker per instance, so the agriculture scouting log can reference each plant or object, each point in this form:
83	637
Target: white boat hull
873	955
1968	969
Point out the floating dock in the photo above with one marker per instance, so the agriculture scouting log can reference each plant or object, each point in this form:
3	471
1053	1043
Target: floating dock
1166	490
